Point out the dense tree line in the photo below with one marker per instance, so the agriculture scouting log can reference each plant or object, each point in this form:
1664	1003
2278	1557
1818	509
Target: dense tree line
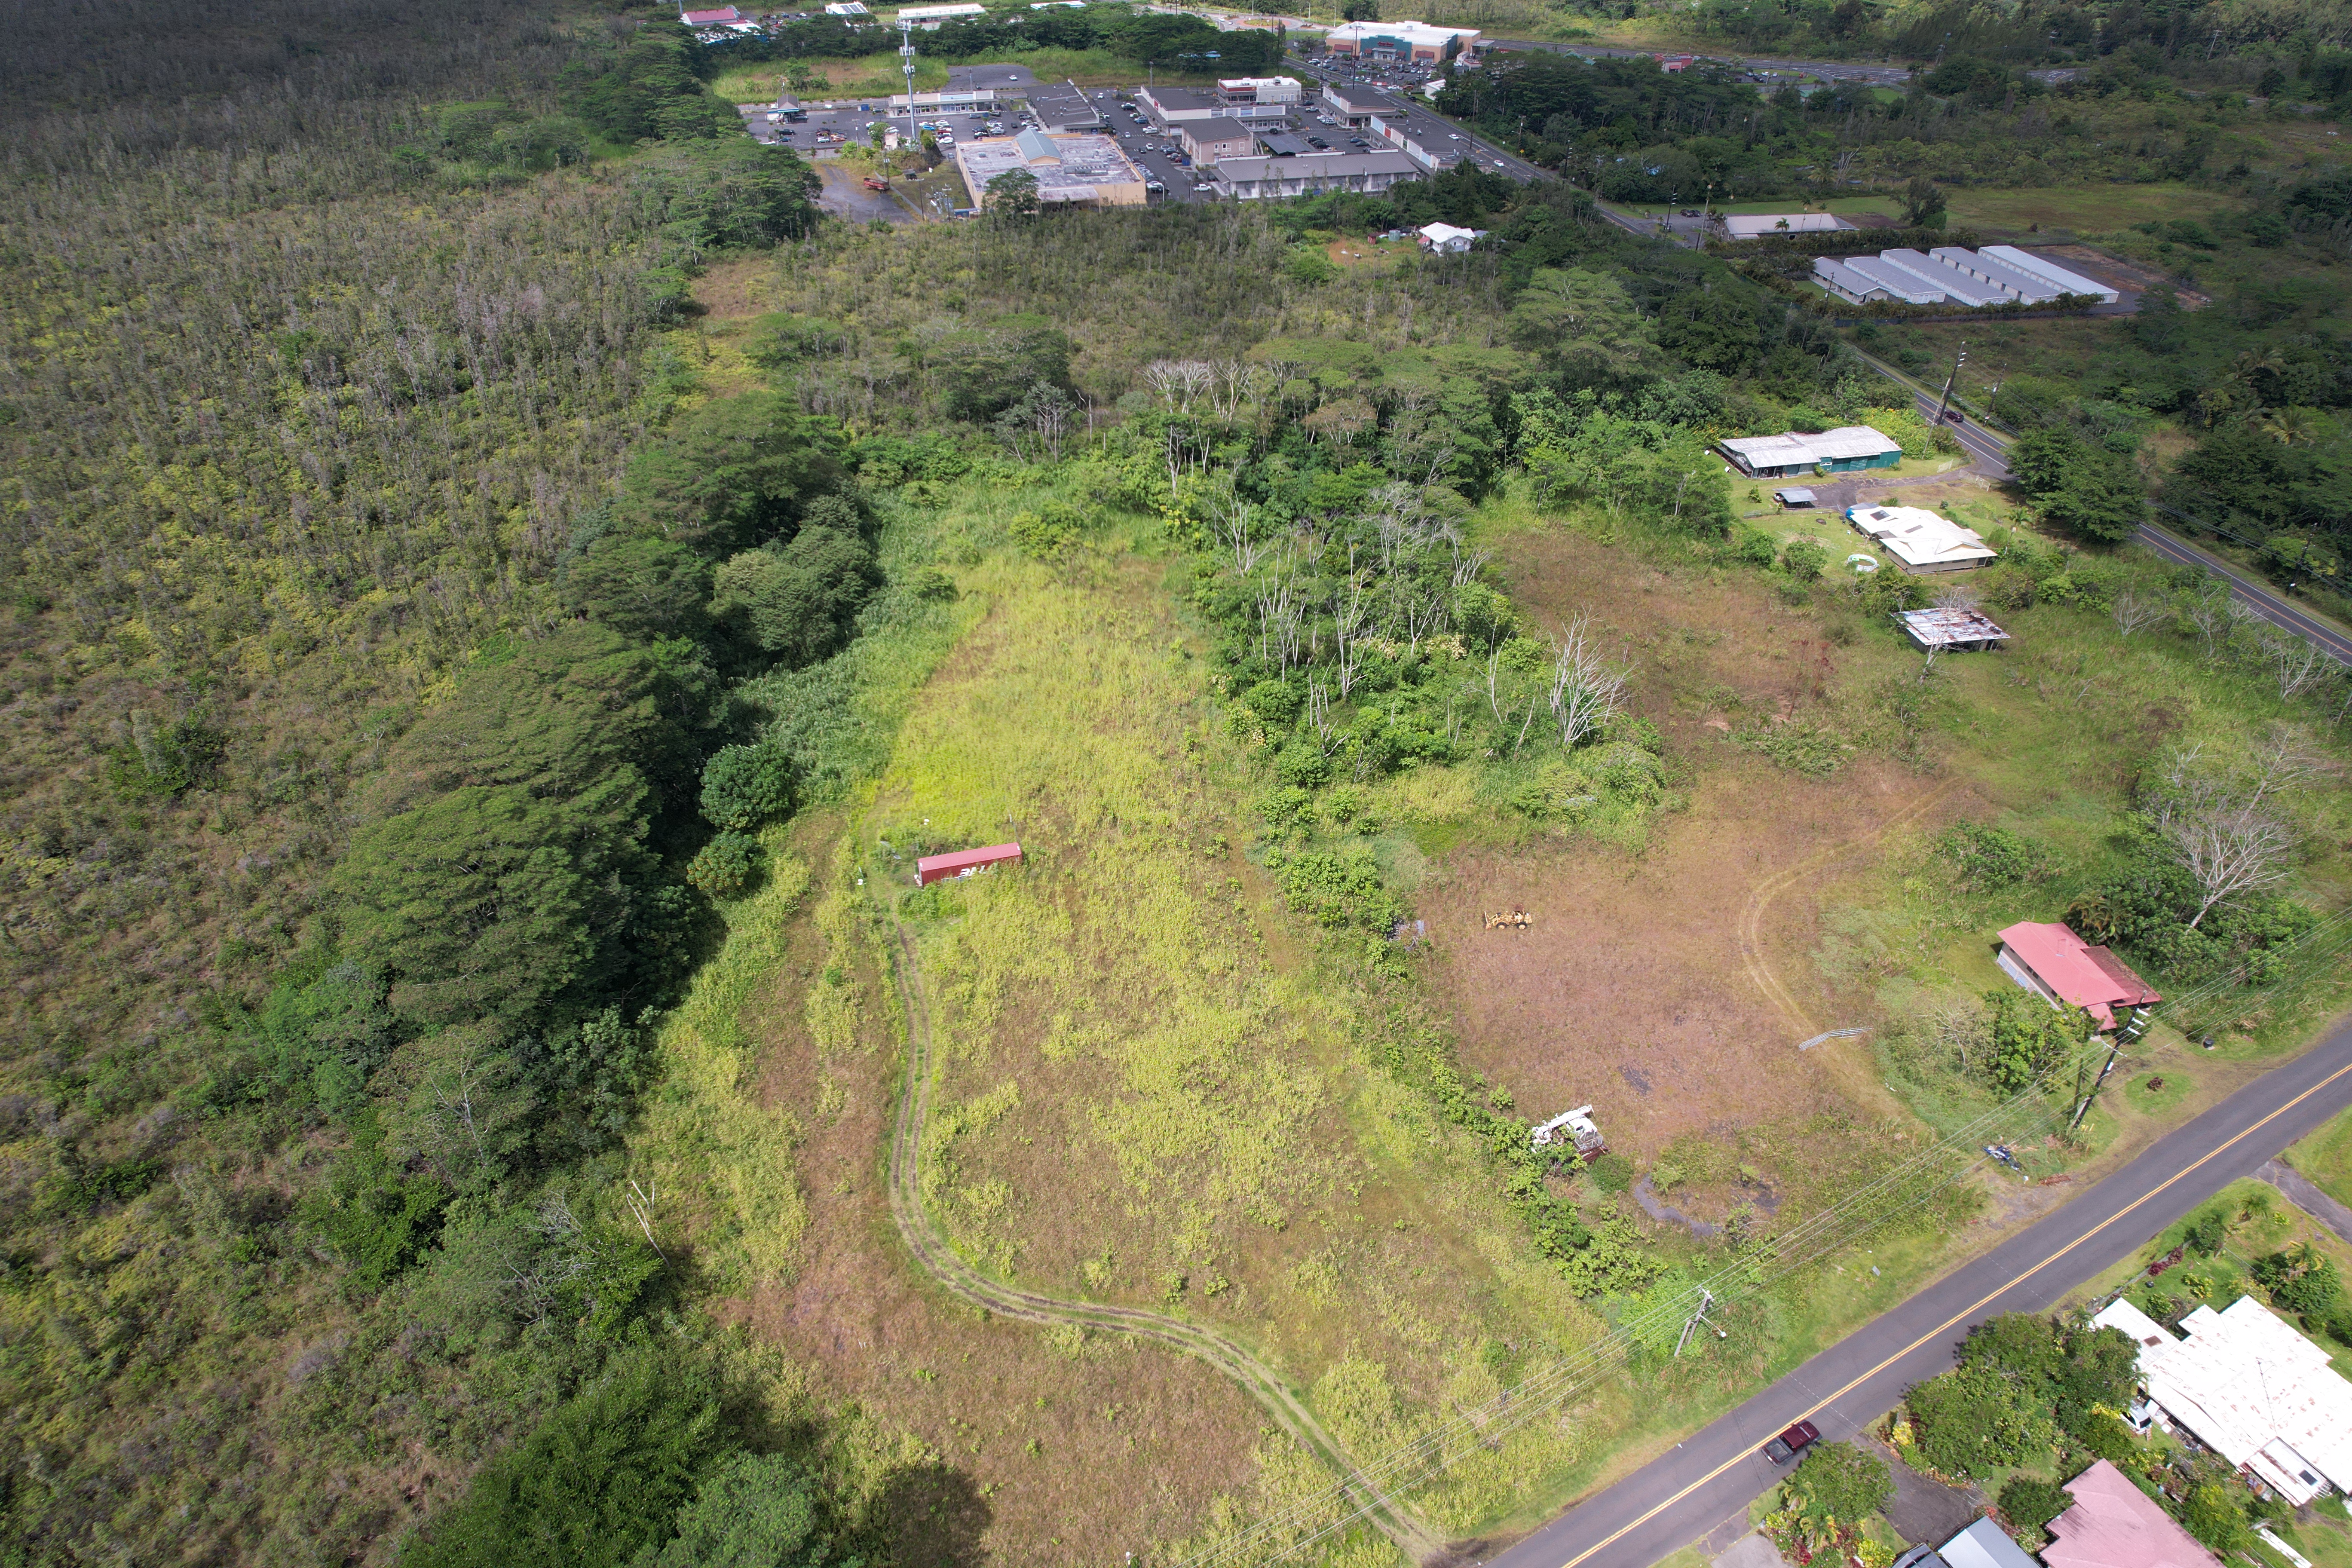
1174	42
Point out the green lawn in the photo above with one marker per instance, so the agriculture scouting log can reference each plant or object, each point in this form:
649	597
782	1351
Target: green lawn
2326	1158
2080	209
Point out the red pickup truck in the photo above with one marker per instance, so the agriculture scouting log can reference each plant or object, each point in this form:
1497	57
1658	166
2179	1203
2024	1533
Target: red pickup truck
1792	1442
877	182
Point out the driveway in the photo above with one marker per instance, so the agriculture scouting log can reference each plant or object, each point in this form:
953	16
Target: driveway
1925	1511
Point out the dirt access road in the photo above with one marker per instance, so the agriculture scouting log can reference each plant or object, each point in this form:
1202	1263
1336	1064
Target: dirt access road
1716	1472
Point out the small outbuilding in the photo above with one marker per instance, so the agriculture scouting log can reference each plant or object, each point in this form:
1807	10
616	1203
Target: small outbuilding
1984	1544
1952	630
1793	496
963	863
2049	960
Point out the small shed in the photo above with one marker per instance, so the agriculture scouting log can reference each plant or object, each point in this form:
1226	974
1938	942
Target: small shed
963	863
1952	629
1446	240
1794	497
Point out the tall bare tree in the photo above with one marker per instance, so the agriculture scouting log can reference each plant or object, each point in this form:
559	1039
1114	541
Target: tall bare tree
2228	833
1585	692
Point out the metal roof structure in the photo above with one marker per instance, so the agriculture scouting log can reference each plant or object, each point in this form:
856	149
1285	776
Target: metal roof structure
1952	627
1792	450
2048	959
1920	540
1759	225
1897	280
1960	287
2258	1393
2113	1524
963	862
1984	1544
1251	179
2050	272
2001	275
1846	283
1068	168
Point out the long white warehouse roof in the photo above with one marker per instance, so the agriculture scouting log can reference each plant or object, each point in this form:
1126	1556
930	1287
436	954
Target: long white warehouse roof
2017	285
1897	280
2049	271
1961	288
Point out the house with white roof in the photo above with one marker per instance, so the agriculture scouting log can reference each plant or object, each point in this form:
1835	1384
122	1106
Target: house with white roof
1759	225
1846	449
1444	239
1921	542
2251	1389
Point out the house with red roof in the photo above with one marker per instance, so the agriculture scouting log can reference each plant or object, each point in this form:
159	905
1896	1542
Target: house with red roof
726	16
2113	1524
2051	962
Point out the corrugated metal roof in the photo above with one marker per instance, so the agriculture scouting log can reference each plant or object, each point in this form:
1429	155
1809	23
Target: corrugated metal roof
2087	976
1897	281
2113	1524
2009	279
1757	226
1037	147
1846	278
1984	1544
1952	280
2043	266
2243	1381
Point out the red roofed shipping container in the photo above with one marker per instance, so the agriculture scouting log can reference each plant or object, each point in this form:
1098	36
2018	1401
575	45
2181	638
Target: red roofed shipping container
963	863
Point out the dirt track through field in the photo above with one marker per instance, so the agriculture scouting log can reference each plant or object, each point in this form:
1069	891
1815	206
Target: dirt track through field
1751	916
939	1259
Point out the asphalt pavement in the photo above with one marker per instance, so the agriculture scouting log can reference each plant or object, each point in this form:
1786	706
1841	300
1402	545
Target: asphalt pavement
1991	453
1713	1475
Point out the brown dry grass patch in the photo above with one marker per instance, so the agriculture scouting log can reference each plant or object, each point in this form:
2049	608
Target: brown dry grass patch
1630	990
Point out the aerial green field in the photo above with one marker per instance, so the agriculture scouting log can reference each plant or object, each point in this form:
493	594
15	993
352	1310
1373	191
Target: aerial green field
502	586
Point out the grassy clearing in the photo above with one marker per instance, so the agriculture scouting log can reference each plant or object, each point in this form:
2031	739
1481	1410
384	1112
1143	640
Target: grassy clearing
1152	1093
876	73
1148	1093
2081	209
2326	1158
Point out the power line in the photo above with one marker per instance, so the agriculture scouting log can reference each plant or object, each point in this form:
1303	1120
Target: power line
1810	1242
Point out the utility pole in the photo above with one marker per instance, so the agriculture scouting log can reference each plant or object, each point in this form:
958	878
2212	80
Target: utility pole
2132	1030
1690	1324
1949	380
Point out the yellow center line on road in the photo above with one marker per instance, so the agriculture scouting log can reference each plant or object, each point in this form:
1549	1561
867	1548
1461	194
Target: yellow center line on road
1965	1312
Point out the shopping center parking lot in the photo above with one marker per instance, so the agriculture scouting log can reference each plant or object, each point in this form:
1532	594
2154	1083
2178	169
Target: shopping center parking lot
1152	145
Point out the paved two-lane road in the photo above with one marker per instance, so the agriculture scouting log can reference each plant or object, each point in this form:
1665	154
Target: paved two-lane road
1713	1475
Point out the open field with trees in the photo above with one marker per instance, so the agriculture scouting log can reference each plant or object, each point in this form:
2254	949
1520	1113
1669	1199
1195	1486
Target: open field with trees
499	592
